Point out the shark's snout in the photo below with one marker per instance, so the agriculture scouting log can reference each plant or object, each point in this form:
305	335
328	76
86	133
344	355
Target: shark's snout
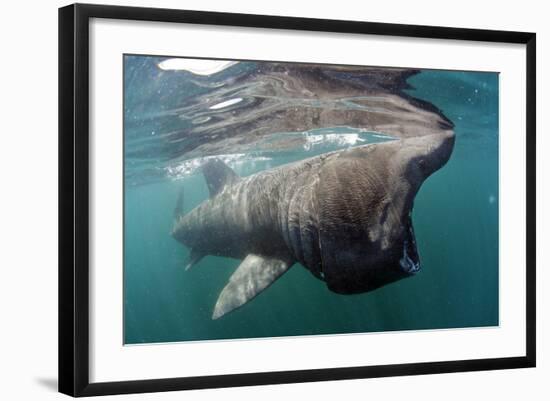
436	152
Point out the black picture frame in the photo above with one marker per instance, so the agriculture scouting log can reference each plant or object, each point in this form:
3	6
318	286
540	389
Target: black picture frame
74	198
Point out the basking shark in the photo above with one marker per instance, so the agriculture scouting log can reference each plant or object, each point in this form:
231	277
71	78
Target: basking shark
344	215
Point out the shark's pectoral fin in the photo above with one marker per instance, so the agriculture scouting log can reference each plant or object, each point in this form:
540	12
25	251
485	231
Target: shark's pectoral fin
194	257
218	175
253	275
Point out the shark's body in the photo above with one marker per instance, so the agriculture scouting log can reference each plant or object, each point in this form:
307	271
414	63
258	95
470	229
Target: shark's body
345	216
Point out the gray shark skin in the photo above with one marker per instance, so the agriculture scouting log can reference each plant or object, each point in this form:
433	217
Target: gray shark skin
345	216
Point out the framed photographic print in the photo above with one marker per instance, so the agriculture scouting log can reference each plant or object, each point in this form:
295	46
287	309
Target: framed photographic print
249	199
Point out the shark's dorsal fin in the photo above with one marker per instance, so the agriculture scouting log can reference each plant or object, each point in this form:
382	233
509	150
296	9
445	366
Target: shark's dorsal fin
218	175
253	275
194	257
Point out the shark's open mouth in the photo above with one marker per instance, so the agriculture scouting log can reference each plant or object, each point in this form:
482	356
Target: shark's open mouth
410	262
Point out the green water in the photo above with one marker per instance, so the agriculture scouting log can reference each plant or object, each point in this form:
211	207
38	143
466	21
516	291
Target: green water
456	223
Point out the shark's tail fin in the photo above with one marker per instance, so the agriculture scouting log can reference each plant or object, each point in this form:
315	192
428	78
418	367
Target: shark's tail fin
194	257
178	210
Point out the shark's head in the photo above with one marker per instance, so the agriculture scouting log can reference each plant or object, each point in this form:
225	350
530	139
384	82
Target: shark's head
366	199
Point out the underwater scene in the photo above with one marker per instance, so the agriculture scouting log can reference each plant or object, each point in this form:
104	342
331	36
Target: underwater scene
267	199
